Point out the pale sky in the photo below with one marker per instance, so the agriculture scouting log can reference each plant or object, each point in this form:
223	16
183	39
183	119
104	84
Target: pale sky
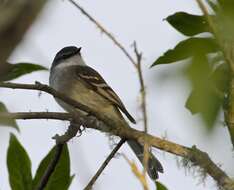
61	24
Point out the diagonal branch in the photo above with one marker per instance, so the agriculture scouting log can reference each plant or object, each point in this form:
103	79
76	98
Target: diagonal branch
108	34
194	155
105	163
37	115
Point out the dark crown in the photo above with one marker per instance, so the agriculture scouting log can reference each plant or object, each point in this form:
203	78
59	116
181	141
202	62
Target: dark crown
65	53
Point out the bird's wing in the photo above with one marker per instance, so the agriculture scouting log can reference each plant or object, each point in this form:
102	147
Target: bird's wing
99	85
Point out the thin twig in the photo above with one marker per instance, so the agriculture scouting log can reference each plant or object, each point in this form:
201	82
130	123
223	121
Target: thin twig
225	48
141	177
143	104
108	34
208	17
215	31
105	163
51	167
37	115
142	85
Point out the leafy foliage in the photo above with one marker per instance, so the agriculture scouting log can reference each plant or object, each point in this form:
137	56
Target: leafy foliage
160	186
221	77
16	70
19	166
7	122
188	24
186	49
208	72
205	97
60	179
225	16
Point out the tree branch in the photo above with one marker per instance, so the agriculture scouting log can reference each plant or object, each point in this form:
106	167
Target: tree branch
105	163
194	155
37	115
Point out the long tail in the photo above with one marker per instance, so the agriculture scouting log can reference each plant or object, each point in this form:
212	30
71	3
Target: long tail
154	166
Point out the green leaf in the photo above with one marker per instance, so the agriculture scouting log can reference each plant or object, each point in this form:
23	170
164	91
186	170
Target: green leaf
192	103
186	49
19	166
16	70
6	121
227	6
160	186
71	179
205	97
221	77
60	179
206	103
188	24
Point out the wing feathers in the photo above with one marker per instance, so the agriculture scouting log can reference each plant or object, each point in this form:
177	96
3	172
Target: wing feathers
94	79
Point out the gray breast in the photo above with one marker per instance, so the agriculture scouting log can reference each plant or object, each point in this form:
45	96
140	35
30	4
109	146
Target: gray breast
62	80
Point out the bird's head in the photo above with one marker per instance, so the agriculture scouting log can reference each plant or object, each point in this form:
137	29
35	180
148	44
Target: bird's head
65	54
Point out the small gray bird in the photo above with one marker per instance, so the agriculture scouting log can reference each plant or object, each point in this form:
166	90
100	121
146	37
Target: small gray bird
70	75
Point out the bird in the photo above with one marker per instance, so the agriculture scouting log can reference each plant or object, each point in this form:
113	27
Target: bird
70	75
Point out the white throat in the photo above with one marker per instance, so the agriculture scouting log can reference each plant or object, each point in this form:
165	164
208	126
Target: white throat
74	60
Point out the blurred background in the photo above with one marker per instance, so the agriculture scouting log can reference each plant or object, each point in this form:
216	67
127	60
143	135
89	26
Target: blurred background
61	24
